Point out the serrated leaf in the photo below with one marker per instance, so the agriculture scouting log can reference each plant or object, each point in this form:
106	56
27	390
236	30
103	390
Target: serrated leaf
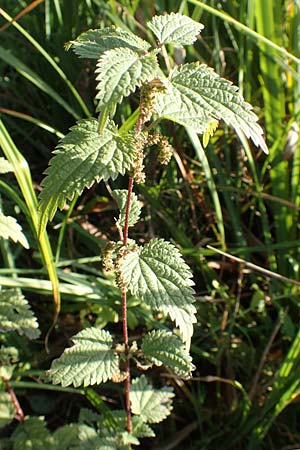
5	166
158	274
33	434
7	409
163	347
198	95
9	228
175	29
16	315
120	195
8	357
120	71
90	361
82	157
93	43
151	405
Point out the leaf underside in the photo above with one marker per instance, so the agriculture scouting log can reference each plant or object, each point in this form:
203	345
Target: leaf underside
120	195
152	405
9	228
119	72
162	347
197	95
90	361
93	43
82	157
157	274
5	166
16	315
175	29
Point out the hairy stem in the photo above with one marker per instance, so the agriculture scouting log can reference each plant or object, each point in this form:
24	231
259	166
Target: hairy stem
19	411
124	316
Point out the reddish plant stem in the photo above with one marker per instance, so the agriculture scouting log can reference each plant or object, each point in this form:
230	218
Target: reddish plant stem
124	316
19	411
124	301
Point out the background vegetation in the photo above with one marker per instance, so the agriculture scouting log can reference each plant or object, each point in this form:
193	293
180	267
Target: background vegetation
245	391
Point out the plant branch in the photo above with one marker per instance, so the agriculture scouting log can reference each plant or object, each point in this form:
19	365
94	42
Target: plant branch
19	411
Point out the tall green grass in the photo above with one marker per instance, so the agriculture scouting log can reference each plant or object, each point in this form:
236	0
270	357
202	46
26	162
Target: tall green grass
229	196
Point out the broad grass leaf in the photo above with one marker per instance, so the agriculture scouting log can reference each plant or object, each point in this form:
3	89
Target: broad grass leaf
92	360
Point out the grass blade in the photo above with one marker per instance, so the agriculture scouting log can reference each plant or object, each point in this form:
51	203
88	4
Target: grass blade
50	60
23	176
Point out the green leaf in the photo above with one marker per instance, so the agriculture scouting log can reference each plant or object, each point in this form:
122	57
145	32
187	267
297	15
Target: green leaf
120	195
77	436
90	361
16	315
93	43
120	71
8	357
197	95
5	166
162	347
33	434
9	228
7	409
175	29
152	405
158	274
82	157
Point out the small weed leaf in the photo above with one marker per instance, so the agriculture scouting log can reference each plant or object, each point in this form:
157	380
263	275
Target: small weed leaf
9	228
90	361
119	72
5	166
157	274
16	315
93	43
7	409
162	347
175	29
120	195
200	95
152	405
82	157
33	434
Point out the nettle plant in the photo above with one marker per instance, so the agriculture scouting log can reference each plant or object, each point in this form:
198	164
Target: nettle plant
95	149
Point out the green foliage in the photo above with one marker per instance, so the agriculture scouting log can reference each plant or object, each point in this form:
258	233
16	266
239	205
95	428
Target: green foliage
175	29
9	228
120	71
5	166
33	433
157	274
151	405
82	157
7	410
120	195
197	95
163	347
92	43
90	361
16	315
